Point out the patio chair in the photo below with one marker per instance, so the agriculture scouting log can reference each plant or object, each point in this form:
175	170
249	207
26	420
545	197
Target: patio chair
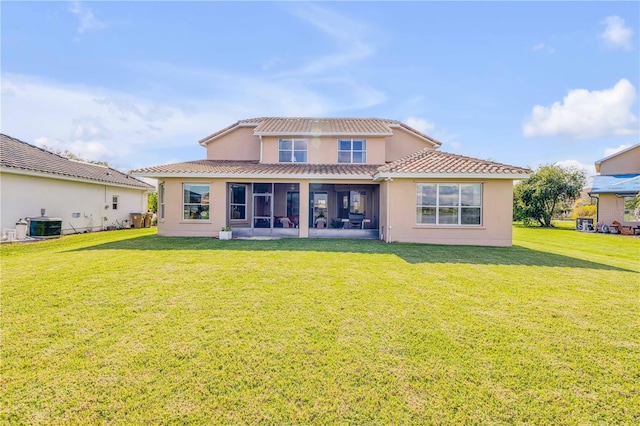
286	223
624	230
321	222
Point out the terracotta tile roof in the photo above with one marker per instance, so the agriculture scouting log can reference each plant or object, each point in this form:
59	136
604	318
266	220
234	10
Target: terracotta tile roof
323	126
19	155
428	161
309	126
255	168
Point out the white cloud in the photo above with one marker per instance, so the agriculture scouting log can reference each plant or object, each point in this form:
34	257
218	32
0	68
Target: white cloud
611	151
184	104
587	114
544	47
347	34
458	147
132	131
88	22
590	169
616	35
420	125
104	125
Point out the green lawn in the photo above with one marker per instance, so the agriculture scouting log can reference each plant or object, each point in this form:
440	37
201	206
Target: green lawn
127	327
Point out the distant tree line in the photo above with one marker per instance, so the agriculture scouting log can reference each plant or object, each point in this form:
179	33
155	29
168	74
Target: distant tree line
71	156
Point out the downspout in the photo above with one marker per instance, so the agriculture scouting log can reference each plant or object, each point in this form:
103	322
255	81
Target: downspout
260	148
388	180
103	210
597	197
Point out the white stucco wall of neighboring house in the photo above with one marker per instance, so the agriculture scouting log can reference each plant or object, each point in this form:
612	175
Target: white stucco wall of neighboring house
82	206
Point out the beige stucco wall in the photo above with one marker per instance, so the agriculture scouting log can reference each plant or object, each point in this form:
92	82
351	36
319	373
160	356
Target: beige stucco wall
611	208
239	144
402	144
396	212
173	223
24	196
626	163
324	150
497	213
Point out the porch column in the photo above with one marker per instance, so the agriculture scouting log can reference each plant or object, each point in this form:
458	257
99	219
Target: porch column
303	219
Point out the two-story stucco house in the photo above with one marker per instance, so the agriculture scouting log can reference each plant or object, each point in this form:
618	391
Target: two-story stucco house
335	177
617	188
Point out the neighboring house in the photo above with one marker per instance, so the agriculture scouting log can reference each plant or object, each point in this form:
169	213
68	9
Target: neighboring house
335	177
617	187
86	196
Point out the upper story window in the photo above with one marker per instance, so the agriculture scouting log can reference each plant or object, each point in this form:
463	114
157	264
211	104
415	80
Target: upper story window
196	201
352	151
114	202
292	151
449	203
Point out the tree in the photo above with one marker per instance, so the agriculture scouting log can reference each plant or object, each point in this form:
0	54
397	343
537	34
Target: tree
584	207
71	156
152	201
535	199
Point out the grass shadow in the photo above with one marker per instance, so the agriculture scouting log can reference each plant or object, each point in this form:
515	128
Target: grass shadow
410	253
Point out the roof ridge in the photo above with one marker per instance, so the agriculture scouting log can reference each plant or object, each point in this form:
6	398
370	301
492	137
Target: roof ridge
20	155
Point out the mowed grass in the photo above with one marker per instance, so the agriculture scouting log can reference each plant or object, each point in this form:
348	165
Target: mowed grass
127	327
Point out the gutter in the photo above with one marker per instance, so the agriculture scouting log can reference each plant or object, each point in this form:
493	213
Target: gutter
74	179
157	175
597	197
380	176
359	134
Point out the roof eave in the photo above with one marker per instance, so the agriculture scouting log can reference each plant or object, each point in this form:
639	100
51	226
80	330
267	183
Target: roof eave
620	193
205	141
390	175
208	175
598	162
434	142
36	173
319	134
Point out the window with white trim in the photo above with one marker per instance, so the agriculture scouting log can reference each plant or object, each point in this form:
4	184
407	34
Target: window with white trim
114	202
449	204
161	199
195	201
292	151
238	202
352	151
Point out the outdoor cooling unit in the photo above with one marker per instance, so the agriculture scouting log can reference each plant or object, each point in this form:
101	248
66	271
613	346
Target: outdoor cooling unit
45	227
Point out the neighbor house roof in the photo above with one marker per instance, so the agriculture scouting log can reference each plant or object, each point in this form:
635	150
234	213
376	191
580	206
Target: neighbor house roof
429	163
232	168
616	184
23	158
325	126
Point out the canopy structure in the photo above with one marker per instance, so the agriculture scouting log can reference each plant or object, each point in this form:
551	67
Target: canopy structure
616	184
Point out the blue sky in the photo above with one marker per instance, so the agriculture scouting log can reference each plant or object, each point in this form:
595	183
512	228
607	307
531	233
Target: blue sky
139	83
